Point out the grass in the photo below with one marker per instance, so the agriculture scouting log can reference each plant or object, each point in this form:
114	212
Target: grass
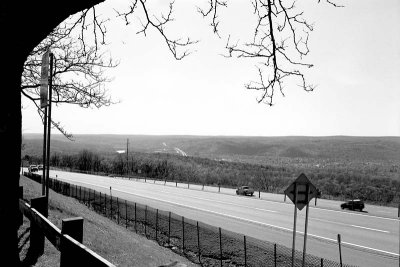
106	238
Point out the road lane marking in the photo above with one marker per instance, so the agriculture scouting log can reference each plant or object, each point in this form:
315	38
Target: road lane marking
371	229
260	223
260	209
247	220
272	211
352	225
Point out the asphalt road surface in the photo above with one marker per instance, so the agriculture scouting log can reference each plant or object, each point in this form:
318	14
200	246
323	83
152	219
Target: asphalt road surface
369	238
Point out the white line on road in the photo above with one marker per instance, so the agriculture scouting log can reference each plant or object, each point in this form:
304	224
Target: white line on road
371	229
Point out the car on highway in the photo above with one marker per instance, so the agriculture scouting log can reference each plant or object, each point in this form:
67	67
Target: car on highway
33	168
245	190
40	167
354	204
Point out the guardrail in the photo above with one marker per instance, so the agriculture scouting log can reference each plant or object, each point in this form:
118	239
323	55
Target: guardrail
68	240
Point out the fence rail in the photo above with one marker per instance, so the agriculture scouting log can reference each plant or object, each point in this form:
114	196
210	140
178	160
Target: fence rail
68	240
201	243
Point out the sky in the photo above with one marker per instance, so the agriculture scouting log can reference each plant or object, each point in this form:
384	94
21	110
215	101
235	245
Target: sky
355	51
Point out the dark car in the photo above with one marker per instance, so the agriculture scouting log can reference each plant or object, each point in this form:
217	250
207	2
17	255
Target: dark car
245	190
33	168
354	204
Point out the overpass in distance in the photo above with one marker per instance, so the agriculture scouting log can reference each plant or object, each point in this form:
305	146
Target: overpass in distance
369	238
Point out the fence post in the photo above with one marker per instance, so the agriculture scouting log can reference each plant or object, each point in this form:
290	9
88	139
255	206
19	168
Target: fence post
220	245
117	210
89	198
105	204
36	235
322	262
111	208
183	234
135	219
245	251
176	184
145	221
157	225
275	254
100	201
198	241
126	215
74	228
169	228
80	193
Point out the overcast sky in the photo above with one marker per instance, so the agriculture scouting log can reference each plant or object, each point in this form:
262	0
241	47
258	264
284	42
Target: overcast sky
355	51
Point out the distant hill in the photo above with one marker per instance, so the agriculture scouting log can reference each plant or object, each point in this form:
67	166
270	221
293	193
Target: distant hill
342	148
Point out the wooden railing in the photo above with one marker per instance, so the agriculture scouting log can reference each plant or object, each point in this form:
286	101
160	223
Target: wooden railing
68	240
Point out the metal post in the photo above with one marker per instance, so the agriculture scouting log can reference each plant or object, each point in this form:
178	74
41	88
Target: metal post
245	251
117	210
169	228
220	245
111	208
135	219
322	262
340	249
183	234
145	221
105	204
294	224
44	151
157	225
306	226
126	215
275	255
49	129
198	241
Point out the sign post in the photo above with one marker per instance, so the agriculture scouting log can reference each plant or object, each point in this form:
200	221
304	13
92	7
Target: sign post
44	90
300	192
339	240
46	79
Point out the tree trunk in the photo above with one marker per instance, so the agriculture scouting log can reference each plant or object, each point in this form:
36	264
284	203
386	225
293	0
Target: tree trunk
22	27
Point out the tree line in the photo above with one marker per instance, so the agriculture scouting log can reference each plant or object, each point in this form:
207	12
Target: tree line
334	183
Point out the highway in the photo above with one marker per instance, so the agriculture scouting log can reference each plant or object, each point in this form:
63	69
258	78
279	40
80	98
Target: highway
369	238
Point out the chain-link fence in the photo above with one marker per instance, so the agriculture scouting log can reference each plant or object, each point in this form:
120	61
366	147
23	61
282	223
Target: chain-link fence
201	243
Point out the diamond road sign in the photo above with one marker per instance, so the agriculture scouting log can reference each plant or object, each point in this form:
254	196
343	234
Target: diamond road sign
302	185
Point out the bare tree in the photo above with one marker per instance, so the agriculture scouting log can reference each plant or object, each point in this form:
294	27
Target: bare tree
279	43
78	71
